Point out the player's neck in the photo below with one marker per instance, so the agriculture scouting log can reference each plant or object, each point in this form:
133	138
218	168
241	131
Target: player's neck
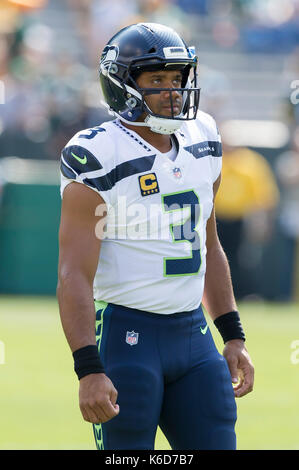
160	141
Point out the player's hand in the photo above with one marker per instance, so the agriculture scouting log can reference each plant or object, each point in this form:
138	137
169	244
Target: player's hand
240	366
97	398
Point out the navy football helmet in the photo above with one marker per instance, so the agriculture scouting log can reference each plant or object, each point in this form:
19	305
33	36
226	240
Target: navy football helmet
147	47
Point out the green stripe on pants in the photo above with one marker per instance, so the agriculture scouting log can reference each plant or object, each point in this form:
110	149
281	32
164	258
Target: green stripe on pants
100	309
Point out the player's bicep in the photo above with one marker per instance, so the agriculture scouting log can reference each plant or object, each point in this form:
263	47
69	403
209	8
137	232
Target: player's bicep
79	237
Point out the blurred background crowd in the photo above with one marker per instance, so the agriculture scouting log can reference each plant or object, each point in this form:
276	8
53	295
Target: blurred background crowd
249	74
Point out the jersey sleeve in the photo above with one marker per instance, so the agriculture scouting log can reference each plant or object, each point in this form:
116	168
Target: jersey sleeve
213	145
216	148
88	159
217	161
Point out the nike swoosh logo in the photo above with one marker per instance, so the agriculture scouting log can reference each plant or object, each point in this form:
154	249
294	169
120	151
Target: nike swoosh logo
204	330
80	160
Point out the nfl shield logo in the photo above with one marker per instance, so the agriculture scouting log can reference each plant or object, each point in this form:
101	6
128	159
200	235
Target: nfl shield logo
132	338
177	172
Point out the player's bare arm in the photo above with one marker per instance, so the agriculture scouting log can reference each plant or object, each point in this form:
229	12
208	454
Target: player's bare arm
79	249
218	299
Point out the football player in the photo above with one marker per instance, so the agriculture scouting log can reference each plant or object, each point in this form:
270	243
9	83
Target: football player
140	256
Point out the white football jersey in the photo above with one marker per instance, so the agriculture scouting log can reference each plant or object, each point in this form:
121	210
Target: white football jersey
153	251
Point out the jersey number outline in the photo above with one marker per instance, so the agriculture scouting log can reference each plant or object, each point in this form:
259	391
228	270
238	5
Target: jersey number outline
189	265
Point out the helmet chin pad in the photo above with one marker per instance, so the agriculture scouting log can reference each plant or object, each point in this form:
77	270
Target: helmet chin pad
161	125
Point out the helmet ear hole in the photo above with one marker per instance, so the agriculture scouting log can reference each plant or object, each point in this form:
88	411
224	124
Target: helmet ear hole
152	50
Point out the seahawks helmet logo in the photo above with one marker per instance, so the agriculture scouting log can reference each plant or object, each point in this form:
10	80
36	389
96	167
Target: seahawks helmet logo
110	54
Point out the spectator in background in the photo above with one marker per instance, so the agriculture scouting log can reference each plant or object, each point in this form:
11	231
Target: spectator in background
168	13
96	21
245	204
26	118
45	91
287	171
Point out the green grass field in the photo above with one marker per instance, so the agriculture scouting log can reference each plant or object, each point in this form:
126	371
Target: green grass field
39	390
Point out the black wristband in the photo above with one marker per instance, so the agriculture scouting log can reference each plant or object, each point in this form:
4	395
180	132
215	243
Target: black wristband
87	361
229	326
